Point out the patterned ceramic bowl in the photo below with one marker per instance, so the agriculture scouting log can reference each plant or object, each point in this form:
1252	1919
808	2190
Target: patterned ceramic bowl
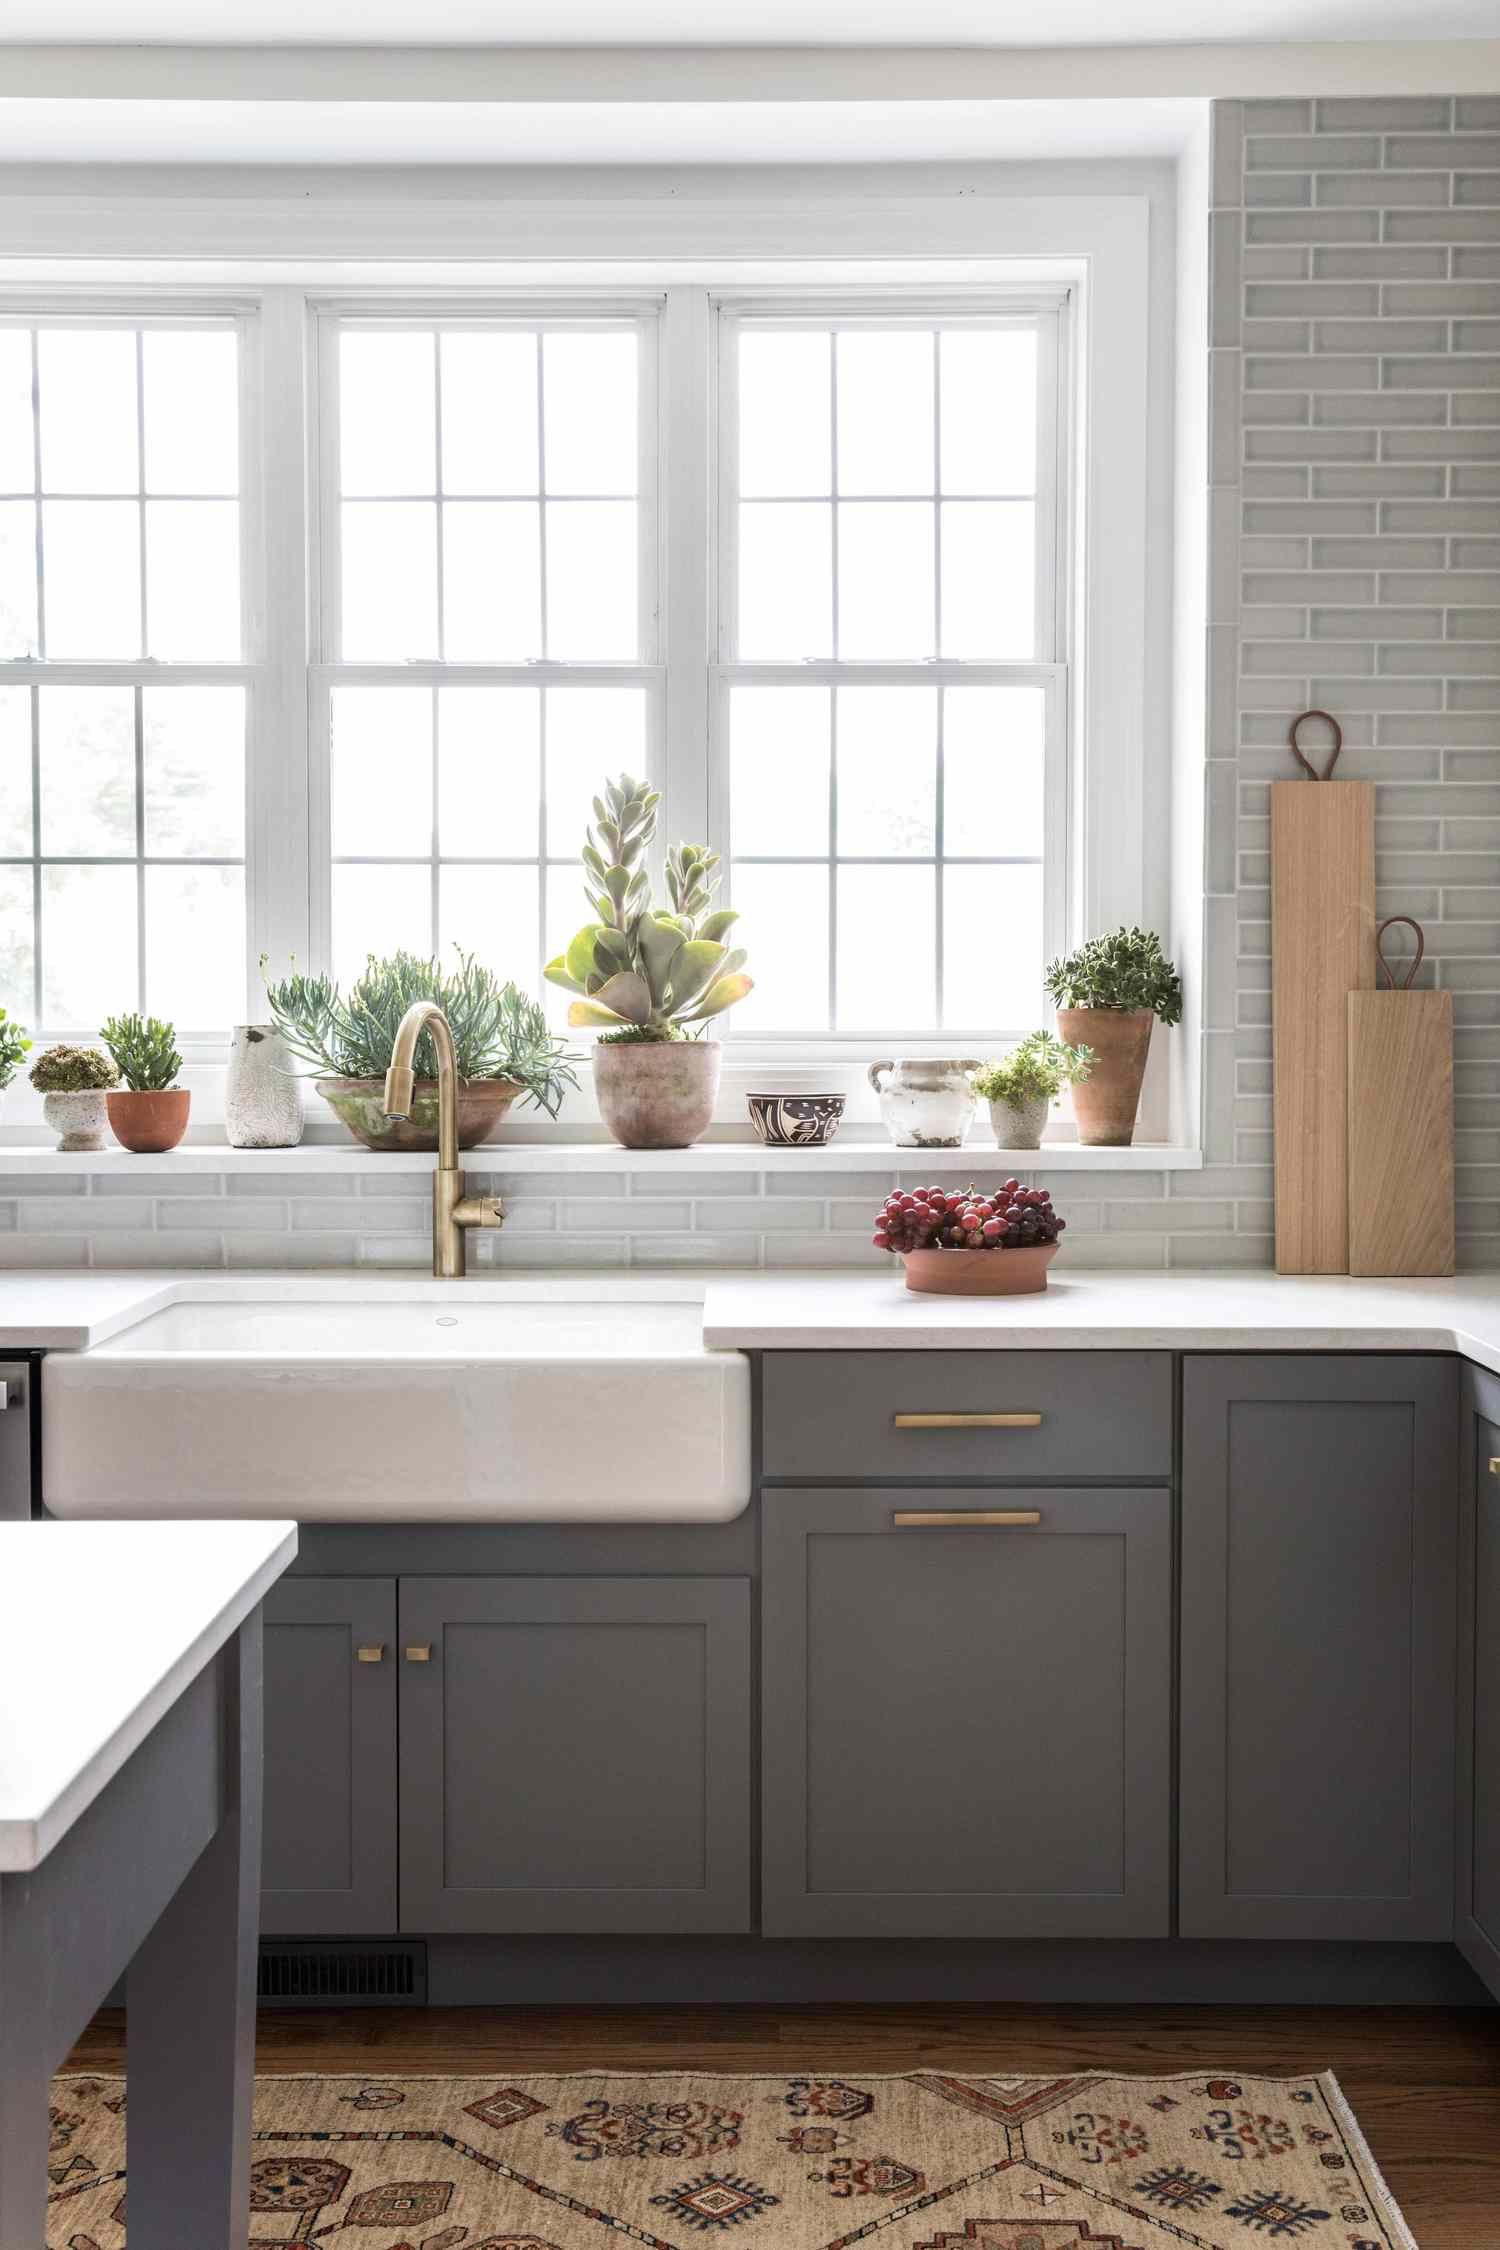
796	1120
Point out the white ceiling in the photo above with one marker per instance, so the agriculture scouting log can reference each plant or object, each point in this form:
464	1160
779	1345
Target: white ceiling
731	23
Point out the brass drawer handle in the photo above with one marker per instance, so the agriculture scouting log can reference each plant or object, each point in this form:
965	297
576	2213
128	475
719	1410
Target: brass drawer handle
923	1519
420	1653
1495	1464
372	1653
968	1421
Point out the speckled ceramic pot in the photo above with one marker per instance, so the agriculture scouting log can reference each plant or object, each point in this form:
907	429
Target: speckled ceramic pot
1020	1124
262	1092
78	1120
657	1094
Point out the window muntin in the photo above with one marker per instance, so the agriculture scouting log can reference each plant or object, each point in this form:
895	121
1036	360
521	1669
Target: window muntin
123	715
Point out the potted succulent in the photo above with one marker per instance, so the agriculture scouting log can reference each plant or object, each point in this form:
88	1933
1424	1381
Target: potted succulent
1023	1085
960	1242
150	1113
1108	994
14	1047
505	1048
650	981
73	1081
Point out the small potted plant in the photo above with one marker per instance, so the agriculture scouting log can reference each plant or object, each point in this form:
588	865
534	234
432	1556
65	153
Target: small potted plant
1108	994
650	981
14	1047
150	1113
961	1242
73	1081
1023	1085
506	1050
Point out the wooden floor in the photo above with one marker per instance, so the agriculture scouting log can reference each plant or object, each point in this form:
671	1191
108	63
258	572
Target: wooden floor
1424	2082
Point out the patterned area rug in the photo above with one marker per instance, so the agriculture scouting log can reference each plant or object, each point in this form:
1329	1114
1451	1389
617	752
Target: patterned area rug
929	2160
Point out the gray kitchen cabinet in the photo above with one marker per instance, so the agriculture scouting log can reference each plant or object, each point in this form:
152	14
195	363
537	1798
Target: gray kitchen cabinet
329	1855
1318	1596
575	1754
966	1721
1478	1898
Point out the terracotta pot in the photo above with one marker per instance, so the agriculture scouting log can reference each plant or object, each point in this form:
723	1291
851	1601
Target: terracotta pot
1020	1124
979	1273
1106	1103
149	1124
657	1094
359	1103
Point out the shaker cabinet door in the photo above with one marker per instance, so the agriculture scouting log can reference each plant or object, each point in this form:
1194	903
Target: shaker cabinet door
1319	1541
1478	1900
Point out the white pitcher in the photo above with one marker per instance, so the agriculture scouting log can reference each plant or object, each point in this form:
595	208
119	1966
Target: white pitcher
926	1102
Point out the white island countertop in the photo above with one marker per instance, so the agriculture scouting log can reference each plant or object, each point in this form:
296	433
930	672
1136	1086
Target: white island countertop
102	1626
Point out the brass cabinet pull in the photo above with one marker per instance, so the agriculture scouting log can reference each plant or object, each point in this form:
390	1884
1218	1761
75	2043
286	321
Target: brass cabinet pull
924	1519
372	1653
1495	1464
421	1653
968	1421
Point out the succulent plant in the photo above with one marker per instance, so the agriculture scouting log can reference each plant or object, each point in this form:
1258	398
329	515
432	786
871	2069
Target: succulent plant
73	1070
143	1051
1126	969
14	1044
1036	1068
641	973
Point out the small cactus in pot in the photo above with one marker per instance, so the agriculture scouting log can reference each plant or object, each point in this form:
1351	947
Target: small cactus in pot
149	1114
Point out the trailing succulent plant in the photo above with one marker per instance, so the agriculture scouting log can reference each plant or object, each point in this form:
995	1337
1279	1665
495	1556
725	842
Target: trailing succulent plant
143	1051
642	973
1037	1068
1126	969
73	1070
14	1047
497	1031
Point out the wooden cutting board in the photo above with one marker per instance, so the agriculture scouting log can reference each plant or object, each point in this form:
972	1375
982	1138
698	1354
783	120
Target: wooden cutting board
1401	1218
1322	949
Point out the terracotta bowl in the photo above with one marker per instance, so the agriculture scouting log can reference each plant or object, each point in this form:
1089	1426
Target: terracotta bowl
149	1124
360	1104
979	1273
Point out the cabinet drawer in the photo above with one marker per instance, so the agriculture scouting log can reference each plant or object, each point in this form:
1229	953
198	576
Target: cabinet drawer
956	1414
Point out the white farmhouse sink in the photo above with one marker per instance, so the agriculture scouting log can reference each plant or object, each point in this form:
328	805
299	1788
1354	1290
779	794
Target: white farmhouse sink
382	1402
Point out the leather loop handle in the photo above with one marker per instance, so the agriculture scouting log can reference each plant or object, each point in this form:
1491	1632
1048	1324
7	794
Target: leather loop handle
1400	984
1298	753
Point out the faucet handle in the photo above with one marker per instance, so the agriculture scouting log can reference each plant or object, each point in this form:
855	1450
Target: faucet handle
480	1211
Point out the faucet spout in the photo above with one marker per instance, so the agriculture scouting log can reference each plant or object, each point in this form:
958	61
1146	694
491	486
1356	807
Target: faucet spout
452	1210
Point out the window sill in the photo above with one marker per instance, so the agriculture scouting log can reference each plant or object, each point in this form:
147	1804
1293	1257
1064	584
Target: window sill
208	1159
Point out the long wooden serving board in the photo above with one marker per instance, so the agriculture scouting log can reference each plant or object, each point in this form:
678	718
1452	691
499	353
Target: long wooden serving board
1322	949
1401	1217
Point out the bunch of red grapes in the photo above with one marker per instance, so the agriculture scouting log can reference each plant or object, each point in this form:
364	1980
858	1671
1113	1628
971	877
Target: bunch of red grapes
935	1218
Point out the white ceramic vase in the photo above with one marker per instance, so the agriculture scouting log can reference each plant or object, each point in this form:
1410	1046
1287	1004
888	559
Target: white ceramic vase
262	1093
926	1102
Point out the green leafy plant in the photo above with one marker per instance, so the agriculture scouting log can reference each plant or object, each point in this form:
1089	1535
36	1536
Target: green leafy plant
497	1031
14	1046
641	973
143	1052
1125	970
1036	1069
73	1070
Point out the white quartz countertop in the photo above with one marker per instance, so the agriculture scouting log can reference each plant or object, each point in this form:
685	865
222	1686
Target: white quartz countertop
102	1626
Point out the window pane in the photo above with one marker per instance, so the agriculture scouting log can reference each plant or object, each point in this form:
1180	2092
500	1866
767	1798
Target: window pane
17	961
192	410
387	412
988	391
992	770
86	385
18	578
17	456
193	580
592	432
887	948
488	744
195	945
489	413
885	579
382	771
593	734
88	772
389	568
886	437
785	413
92	564
591	581
377	910
992	949
492	586
194	772
567	911
15	771
779	771
887	771
989	579
786	581
784	927
492	913
89	948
